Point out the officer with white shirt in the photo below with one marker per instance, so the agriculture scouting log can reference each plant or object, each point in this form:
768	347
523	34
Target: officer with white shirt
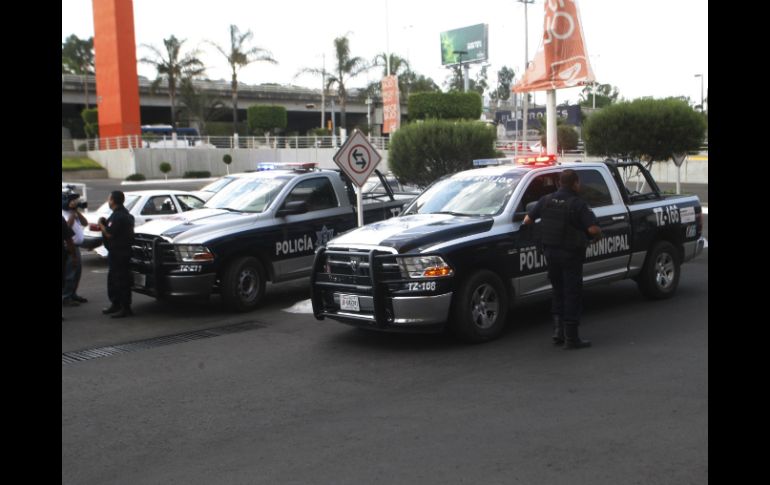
73	267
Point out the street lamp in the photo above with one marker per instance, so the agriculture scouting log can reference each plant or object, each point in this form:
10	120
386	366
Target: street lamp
701	91
464	67
525	104
369	114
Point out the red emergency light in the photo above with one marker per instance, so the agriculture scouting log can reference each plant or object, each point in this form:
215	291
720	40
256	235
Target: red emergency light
538	161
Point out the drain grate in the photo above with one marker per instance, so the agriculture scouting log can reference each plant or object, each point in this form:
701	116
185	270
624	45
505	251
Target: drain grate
88	354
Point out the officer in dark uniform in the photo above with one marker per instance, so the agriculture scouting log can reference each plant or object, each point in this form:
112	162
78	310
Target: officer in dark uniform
567	221
118	232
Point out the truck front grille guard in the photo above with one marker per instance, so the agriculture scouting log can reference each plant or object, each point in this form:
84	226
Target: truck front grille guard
375	285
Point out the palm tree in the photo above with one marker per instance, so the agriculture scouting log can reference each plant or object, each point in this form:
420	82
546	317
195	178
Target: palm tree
173	67
346	69
77	57
238	57
398	67
198	106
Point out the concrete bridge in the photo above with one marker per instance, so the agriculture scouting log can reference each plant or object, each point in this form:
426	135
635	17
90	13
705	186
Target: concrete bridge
303	105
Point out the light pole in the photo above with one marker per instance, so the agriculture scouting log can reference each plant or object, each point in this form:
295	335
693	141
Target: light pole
369	114
701	91
525	104
464	67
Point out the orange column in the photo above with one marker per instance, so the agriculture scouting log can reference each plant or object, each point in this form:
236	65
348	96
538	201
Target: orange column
117	85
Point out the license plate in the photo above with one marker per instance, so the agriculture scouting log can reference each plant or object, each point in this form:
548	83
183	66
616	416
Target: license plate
140	280
349	302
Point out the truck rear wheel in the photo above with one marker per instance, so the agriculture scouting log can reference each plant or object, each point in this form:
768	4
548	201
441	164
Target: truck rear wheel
659	277
243	284
480	308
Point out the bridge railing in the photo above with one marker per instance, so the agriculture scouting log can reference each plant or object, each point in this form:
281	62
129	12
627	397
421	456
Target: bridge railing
202	142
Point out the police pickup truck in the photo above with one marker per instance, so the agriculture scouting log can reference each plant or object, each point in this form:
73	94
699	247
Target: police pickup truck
459	255
264	226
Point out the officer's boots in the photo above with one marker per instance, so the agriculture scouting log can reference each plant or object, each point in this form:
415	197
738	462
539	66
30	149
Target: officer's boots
571	338
125	311
558	330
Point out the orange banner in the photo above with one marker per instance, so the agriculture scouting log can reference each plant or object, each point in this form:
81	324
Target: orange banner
391	107
561	60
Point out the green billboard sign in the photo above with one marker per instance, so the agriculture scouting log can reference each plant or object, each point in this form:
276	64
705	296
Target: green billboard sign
468	44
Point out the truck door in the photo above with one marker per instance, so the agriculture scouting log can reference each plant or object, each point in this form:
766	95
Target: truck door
297	236
608	258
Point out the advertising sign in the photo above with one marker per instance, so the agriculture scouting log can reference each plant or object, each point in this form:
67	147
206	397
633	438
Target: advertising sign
468	44
391	107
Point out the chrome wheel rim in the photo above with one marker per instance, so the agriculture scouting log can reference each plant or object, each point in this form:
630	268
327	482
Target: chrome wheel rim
665	270
485	306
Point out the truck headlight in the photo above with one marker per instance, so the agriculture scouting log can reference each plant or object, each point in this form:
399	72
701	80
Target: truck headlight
424	267
187	253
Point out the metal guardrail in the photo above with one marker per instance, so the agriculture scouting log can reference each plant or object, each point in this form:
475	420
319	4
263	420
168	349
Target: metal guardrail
202	142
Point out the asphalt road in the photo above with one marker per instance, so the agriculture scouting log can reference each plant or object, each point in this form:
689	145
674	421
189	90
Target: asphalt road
298	401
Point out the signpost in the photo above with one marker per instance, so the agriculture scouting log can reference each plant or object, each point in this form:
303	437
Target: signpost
358	159
678	158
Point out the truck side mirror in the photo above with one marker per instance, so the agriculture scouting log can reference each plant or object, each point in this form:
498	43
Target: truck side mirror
292	208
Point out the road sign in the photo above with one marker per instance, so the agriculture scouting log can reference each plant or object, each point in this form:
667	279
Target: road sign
357	158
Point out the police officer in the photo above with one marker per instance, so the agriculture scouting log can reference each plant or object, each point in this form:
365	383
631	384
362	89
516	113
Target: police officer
77	222
567	221
118	232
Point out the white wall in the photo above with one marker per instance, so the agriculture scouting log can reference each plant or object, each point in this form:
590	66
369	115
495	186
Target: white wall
122	163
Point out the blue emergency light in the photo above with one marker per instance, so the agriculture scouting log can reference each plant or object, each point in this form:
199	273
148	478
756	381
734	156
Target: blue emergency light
491	162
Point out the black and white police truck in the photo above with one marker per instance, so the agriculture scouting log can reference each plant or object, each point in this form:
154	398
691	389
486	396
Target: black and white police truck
459	254
262	227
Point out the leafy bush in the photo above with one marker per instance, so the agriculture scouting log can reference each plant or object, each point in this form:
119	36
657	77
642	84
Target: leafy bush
320	132
566	138
135	177
263	119
82	147
165	167
422	152
227	159
648	129
90	122
444	106
202	174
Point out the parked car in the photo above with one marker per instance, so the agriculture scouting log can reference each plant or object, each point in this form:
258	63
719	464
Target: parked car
144	205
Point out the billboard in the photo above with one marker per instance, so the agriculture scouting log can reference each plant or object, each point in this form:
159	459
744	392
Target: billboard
468	44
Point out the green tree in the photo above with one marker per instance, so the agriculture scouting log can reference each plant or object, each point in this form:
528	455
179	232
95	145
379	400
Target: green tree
346	69
420	153
455	82
605	95
645	129
505	78
90	122
197	106
566	135
77	57
262	119
165	167
173	66
398	67
240	56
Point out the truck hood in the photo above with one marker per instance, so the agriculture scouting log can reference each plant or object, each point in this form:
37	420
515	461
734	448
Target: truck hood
409	232
197	225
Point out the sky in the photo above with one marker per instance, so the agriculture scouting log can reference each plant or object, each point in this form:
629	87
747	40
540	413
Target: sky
651	48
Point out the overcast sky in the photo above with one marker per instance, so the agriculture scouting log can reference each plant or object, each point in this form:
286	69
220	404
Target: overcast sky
645	48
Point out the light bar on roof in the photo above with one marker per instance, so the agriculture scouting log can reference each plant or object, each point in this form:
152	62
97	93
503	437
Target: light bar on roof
490	162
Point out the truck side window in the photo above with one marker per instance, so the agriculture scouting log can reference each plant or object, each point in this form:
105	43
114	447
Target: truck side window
593	188
317	193
540	186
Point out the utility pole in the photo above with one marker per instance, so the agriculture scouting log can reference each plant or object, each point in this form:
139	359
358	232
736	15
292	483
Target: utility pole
525	104
701	92
323	92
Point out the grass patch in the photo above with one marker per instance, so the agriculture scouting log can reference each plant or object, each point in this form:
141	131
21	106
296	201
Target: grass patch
69	164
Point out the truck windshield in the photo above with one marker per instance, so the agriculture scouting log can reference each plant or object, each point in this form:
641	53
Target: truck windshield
248	195
473	195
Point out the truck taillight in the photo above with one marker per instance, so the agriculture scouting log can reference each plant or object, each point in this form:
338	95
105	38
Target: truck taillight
94	227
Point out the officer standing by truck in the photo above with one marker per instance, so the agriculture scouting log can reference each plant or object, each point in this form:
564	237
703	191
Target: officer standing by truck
567	221
118	232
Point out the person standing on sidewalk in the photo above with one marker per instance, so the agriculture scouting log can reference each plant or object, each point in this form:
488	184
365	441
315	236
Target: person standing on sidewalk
118	232
73	265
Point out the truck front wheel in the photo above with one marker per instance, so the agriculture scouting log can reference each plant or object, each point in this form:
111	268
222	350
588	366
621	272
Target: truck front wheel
659	277
480	308
243	284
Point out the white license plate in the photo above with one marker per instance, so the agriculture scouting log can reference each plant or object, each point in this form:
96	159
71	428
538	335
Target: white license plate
140	280
349	302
